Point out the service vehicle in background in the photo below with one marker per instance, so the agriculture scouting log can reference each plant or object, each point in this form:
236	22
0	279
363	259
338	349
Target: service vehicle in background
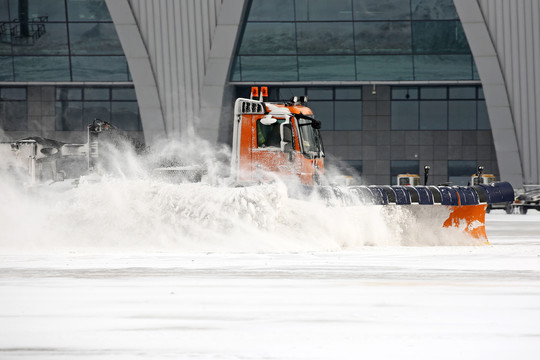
486	179
530	199
408	180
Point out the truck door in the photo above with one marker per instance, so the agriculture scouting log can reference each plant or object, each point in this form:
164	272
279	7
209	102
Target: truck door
270	153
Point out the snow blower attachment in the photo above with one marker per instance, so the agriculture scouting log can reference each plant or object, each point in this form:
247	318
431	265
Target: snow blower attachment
284	139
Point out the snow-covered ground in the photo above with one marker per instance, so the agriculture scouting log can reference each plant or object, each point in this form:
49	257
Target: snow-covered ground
371	302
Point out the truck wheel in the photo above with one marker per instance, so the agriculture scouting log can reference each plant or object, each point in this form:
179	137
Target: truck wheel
523	210
509	209
488	209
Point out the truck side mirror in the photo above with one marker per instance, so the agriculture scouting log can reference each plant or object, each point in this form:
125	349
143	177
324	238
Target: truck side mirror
286	138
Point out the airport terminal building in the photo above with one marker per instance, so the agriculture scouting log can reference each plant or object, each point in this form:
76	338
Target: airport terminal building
397	84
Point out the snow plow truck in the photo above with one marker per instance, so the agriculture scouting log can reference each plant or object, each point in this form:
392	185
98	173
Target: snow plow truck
284	140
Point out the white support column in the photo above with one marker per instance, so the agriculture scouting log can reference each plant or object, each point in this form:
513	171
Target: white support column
218	64
495	88
140	68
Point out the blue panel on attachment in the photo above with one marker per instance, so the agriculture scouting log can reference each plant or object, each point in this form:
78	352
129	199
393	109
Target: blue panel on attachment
379	195
425	197
449	196
467	195
436	193
413	193
402	195
496	192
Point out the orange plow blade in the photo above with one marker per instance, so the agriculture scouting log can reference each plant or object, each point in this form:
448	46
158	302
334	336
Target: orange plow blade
471	219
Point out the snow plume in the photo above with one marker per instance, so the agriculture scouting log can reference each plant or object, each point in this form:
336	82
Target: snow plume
129	210
3	136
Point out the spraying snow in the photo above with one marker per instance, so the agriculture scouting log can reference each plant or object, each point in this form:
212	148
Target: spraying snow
129	210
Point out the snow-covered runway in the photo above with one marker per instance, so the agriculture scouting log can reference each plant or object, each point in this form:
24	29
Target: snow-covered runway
389	302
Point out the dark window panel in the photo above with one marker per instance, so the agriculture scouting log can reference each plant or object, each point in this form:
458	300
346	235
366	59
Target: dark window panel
96	110
6	68
68	93
269	68
275	10
320	94
13	115
326	67
433	10
324	112
433	92
460	171
243	92
325	38
124	94
4	14
125	115
13	93
433	115
462	115
94	39
435	37
54	10
273	94
47	39
236	74
69	116
476	76
5	39
268	38
99	68
389	37
348	115
381	10
483	118
90	10
321	10
285	93
438	67
403	167
384	67
462	92
404	93
92	93
41	68
405	115
348	93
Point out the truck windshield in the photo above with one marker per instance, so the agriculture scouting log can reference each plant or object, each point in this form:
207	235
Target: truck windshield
310	139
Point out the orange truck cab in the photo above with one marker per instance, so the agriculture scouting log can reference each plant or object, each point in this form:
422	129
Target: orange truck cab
276	138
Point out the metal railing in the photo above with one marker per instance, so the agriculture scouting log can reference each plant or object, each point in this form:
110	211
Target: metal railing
11	32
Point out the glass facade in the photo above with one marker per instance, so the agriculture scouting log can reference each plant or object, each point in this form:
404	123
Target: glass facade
412	107
460	171
59	40
338	108
76	107
355	40
439	108
13	109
